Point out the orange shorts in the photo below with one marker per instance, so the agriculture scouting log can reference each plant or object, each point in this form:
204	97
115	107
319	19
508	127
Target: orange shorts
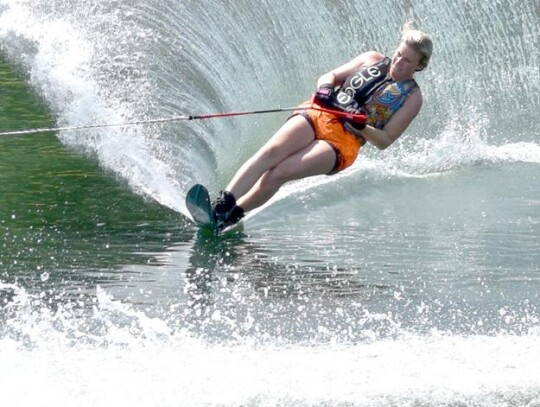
329	128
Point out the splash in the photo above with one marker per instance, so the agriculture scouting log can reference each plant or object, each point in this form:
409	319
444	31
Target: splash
97	62
118	354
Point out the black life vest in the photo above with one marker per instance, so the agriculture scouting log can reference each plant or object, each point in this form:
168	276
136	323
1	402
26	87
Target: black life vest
359	86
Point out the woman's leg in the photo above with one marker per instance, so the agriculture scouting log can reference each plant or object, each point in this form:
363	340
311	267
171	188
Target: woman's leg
292	137
317	158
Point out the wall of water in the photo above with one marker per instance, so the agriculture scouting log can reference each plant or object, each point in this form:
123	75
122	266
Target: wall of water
96	62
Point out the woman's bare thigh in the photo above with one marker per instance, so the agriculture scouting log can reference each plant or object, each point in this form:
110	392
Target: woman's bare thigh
295	134
316	158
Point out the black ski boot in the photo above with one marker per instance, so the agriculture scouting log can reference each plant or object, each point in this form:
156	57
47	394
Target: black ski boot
225	210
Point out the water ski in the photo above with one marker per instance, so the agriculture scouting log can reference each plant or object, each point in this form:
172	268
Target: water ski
200	207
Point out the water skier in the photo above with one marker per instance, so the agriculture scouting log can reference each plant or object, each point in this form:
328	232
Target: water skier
313	142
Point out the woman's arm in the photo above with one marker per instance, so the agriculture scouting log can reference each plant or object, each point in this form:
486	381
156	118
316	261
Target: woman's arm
398	123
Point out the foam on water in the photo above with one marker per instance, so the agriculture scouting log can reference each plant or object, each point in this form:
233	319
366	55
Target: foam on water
117	355
415	371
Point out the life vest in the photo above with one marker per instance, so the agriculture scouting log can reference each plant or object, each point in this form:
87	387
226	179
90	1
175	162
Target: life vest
359	86
372	91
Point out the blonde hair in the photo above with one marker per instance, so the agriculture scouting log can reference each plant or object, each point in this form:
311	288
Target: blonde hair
417	40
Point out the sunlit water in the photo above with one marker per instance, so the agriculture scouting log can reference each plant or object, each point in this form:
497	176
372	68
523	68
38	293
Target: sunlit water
412	278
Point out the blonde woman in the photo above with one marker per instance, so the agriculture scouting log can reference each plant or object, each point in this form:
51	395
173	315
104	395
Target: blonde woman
314	142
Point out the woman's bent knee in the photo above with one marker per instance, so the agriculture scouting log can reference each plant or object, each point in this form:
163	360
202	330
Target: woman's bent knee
279	175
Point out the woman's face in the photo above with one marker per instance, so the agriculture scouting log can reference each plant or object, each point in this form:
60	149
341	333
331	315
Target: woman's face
405	62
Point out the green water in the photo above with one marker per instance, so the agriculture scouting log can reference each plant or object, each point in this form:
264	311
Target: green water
59	211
